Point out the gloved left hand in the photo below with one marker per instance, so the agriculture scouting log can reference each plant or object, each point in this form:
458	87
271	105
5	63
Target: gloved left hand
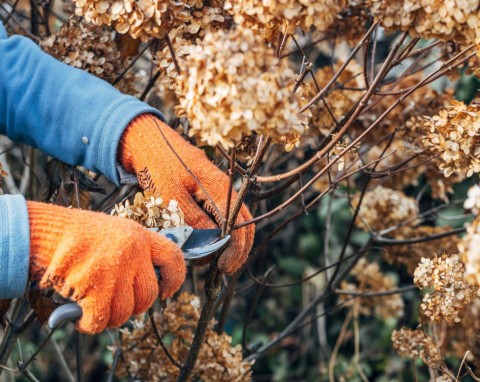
104	263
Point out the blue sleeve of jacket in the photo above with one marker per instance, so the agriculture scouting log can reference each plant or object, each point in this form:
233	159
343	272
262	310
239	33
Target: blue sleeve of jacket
65	112
14	246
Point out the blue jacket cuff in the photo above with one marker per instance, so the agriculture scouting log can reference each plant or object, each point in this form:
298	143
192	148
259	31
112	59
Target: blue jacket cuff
3	32
14	246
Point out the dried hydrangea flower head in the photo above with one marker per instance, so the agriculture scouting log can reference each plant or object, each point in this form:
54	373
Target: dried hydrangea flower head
469	249
415	344
144	19
286	14
218	360
450	292
384	208
369	278
454	137
473	199
151	211
91	48
184	37
448	20
234	86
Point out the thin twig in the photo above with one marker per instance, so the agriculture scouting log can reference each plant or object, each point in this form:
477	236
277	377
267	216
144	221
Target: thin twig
160	341
131	64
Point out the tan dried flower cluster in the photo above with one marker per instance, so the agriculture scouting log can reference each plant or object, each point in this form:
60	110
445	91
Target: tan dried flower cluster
234	86
369	278
349	25
415	344
473	199
151	211
410	255
91	48
144	19
448	20
450	292
285	14
469	249
454	136
143	359
384	208
209	18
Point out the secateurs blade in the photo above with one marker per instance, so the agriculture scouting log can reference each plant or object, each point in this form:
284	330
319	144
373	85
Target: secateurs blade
195	244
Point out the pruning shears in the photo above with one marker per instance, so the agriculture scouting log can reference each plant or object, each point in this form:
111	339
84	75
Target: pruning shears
195	244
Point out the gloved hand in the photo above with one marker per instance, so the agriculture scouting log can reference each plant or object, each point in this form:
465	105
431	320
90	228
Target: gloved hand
144	151
103	263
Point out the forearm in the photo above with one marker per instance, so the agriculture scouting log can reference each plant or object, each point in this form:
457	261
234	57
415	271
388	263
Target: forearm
14	246
63	111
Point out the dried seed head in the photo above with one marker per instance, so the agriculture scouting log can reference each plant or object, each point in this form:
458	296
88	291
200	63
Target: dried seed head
454	137
218	360
151	211
414	344
91	48
270	15
234	86
369	278
449	291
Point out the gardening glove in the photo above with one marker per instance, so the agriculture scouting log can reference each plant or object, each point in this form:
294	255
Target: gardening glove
154	156
104	263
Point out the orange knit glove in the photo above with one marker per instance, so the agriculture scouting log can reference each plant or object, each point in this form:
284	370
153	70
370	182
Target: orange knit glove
102	262
144	151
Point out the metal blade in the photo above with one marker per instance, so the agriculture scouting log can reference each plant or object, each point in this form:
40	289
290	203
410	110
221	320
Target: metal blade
179	235
195	252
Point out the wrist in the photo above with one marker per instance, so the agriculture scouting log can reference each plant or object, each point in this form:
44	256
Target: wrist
139	138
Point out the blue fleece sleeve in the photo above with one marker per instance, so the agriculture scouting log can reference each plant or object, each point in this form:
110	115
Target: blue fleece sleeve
14	246
65	112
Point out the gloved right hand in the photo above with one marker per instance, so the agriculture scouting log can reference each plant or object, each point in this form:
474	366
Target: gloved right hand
104	263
